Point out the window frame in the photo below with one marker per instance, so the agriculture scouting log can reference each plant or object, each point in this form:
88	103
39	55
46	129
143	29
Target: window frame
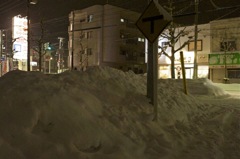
199	45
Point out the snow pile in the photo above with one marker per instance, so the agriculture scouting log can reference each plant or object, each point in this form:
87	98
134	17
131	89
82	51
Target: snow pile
103	113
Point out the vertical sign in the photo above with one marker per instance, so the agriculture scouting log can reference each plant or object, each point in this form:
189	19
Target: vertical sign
20	37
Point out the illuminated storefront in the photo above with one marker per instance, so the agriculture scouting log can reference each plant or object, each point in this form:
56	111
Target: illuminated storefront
165	66
225	65
203	49
224	60
19	35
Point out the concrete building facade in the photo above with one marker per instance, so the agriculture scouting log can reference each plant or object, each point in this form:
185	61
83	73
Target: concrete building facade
218	52
224	59
105	35
203	45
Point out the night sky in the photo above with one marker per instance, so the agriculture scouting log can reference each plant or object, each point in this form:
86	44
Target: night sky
55	12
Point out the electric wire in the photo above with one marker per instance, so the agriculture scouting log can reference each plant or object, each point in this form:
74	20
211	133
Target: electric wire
64	21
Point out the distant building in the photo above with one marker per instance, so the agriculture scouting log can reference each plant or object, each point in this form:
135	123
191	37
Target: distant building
105	35
203	50
218	52
224	60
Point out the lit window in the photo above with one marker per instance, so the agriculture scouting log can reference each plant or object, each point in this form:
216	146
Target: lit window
90	18
123	20
141	39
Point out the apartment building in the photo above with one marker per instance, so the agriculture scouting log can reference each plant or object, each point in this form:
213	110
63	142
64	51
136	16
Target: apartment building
106	35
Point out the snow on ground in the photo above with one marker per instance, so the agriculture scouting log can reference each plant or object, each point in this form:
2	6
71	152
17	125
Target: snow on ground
103	113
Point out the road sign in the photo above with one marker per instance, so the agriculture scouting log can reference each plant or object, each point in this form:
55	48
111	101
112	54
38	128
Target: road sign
2	58
153	21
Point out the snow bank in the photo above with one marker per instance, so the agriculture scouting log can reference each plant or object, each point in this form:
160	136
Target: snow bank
103	113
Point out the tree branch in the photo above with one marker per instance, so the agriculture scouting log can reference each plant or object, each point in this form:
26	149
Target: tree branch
184	44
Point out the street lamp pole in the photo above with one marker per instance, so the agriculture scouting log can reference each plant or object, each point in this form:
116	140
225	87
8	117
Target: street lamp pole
28	31
28	36
195	67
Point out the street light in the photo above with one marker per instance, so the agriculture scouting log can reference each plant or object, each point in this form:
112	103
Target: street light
49	65
28	31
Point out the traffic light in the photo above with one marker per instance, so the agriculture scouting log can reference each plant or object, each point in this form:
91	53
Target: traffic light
46	45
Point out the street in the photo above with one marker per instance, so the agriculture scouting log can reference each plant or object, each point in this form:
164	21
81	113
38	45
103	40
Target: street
233	89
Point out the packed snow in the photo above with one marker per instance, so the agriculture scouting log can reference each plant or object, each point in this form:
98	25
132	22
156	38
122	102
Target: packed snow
103	113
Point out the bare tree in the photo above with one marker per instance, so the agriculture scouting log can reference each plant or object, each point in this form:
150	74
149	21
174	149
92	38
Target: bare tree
172	34
39	49
225	47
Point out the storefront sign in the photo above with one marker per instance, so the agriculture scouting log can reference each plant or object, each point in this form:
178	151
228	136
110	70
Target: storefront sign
222	59
20	37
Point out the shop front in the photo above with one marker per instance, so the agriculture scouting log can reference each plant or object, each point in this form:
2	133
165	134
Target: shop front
225	67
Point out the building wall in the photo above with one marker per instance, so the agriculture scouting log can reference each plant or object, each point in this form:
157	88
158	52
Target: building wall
87	25
225	53
106	42
188	52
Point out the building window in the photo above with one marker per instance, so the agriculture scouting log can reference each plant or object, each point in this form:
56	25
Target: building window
82	35
131	56
89	34
228	46
123	20
123	52
86	35
88	51
131	41
191	45
70	43
90	18
82	20
233	73
124	35
165	43
140	39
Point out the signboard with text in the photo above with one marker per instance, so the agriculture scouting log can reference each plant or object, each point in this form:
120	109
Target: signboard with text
219	59
20	37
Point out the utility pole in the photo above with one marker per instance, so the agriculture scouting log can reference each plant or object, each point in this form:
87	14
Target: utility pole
60	55
28	32
28	36
195	67
1	49
73	19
